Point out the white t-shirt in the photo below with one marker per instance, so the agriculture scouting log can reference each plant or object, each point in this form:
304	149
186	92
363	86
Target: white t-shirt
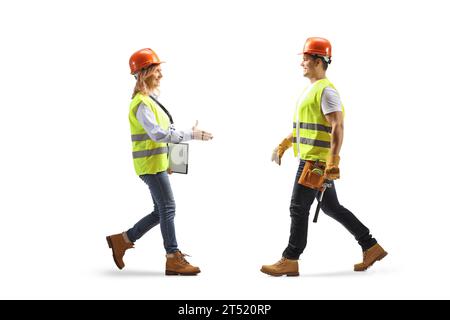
331	102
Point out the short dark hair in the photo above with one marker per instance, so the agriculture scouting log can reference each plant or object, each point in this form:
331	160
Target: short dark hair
324	63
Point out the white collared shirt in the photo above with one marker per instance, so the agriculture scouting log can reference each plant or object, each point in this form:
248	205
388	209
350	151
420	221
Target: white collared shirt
148	121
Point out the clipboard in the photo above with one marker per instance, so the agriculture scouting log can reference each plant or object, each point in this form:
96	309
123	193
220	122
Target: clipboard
179	157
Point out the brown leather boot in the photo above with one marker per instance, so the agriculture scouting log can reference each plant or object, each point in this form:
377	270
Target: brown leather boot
118	245
370	256
176	264
283	267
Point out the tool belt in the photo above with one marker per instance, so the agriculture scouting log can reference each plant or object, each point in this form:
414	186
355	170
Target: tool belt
313	175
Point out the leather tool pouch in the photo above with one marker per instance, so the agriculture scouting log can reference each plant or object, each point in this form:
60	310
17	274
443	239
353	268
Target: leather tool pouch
313	175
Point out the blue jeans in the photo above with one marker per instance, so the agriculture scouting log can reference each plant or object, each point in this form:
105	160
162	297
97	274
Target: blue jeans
163	213
301	201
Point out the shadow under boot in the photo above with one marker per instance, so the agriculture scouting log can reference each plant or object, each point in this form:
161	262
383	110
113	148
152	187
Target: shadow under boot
176	264
118	245
283	267
370	256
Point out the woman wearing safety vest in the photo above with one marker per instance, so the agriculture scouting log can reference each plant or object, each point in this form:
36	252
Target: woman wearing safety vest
151	129
317	138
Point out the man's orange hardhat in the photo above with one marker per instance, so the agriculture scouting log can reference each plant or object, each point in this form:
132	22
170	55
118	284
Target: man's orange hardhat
317	46
142	59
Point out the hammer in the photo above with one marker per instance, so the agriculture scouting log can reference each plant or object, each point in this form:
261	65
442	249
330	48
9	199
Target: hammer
326	184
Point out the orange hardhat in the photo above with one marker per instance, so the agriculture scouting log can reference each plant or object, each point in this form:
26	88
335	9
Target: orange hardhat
142	59
319	47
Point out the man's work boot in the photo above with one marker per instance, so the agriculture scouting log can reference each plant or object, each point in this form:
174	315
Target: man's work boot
118	245
176	264
283	267
374	253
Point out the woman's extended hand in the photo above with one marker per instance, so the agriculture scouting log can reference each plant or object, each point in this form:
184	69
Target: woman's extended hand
198	134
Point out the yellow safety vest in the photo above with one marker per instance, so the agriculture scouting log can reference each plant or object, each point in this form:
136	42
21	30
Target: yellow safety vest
312	131
149	157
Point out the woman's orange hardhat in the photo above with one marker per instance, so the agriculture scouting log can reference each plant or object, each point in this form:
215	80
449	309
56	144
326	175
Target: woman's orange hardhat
142	59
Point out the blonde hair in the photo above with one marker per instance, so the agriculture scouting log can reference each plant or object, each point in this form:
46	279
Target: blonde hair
141	84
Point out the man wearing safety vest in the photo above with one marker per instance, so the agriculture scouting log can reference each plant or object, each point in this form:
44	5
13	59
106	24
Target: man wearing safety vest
317	138
152	128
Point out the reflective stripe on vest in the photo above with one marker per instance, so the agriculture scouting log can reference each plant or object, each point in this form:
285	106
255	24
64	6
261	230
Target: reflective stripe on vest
313	126
140	137
148	153
312	142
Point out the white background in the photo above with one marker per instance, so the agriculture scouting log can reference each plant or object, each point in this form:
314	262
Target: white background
66	175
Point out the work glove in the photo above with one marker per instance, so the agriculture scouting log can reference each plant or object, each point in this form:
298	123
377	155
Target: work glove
278	152
332	167
198	134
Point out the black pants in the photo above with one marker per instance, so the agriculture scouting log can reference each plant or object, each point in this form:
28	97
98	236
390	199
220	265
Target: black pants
301	201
